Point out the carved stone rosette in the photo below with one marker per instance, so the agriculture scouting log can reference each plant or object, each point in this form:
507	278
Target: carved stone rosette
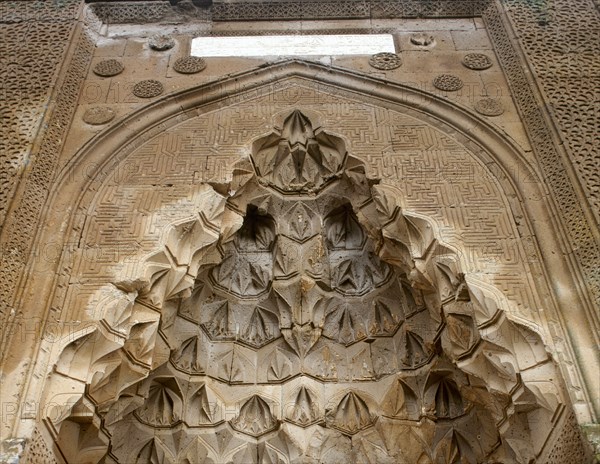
489	107
477	61
309	319
108	68
189	65
448	82
385	61
148	88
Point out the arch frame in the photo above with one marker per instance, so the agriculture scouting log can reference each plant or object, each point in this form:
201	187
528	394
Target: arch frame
558	288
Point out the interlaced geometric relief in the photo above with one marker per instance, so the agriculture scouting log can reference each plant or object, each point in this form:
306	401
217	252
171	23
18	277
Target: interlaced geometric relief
318	324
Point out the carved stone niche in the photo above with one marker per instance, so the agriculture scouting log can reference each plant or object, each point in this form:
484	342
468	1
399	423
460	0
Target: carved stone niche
313	321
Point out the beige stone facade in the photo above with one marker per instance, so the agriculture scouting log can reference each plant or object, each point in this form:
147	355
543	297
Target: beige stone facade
387	258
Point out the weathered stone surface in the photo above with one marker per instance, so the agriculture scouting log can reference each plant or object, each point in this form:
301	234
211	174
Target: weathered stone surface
373	306
293	261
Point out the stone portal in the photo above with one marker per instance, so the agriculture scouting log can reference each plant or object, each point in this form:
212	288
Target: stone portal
318	323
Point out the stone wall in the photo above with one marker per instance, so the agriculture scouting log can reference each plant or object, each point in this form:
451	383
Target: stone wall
55	103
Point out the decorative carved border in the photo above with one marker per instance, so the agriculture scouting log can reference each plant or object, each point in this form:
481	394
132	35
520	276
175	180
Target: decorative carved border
566	443
272	74
20	230
152	11
581	237
249	11
558	41
34	38
145	12
38	10
581	234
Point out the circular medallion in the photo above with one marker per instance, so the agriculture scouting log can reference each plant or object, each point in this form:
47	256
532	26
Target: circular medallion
161	42
422	39
108	68
477	61
447	82
385	61
489	107
98	115
148	88
189	65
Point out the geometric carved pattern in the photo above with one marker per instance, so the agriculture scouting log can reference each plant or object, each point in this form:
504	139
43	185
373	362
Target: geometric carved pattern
317	277
225	11
385	61
254	418
33	51
351	414
557	41
538	40
447	82
27	93
189	65
37	450
298	159
131	12
570	445
477	61
108	68
148	88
